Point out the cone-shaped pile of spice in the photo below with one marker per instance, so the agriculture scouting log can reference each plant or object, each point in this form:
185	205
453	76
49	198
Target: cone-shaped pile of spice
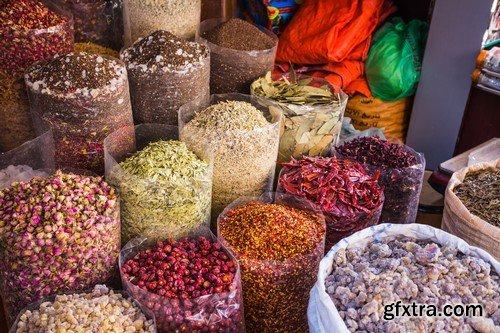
347	195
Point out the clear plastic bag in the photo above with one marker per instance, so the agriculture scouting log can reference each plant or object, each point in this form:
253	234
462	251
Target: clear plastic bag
402	187
143	17
218	312
98	21
244	162
36	306
307	129
70	247
163	208
158	94
19	49
233	70
79	122
32	158
275	292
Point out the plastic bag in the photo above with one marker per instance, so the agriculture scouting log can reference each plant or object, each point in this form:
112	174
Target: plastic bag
81	121
99	290
395	59
217	311
141	18
244	162
157	94
19	49
34	158
324	317
307	129
275	292
98	21
340	223
165	208
458	221
348	132
402	187
391	117
72	248
233	71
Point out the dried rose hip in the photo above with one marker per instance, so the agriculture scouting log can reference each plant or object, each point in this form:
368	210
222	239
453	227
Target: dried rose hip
191	284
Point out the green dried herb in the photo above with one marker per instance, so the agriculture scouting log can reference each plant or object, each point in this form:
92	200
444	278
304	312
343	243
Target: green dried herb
293	91
165	188
480	194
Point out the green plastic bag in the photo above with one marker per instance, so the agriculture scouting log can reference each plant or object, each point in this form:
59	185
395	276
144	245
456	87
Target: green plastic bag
395	59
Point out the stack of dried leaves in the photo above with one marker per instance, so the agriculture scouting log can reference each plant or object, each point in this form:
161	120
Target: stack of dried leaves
312	113
293	91
480	193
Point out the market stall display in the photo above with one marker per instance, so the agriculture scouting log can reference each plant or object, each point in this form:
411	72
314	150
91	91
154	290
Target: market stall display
58	234
312	113
102	308
472	206
191	284
239	53
278	245
165	189
401	174
143	17
349	197
83	97
165	72
392	263
30	31
96	49
244	138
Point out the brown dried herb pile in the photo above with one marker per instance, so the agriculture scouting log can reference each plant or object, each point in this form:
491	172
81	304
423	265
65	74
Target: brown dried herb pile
480	194
240	35
376	151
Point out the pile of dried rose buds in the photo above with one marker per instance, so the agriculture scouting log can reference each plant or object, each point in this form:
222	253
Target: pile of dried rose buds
57	234
191	285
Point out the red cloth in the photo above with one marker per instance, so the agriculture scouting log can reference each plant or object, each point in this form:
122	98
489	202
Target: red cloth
331	39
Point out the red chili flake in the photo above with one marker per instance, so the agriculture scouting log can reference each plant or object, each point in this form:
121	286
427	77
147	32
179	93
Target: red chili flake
349	197
375	151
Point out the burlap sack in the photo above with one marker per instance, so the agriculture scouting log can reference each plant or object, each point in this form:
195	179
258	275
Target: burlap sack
458	221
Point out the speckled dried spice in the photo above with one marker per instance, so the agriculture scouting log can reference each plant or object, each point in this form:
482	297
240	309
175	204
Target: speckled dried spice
401	173
57	234
105	309
279	249
29	32
165	72
347	195
245	144
191	285
143	17
84	97
364	279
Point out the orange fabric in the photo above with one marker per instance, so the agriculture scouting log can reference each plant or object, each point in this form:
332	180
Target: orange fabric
331	31
331	39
